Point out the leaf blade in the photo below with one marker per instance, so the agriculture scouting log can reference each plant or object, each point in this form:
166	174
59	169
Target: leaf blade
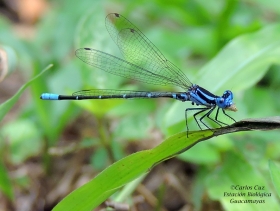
93	193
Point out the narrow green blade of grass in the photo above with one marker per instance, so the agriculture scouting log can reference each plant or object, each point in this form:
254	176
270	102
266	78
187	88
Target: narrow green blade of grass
5	183
129	168
275	172
6	106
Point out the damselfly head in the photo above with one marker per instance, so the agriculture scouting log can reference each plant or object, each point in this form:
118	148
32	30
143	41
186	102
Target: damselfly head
232	107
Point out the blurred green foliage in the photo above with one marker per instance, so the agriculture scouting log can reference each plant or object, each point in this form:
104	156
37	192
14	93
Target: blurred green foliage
218	44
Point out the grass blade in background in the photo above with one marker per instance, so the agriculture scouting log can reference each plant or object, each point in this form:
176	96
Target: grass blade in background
6	106
5	183
244	60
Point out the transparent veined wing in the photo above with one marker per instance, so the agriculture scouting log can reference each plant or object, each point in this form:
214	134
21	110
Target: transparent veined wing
142	60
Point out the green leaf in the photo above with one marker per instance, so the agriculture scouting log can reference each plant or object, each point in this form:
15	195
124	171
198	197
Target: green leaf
5	107
125	170
245	59
275	172
129	168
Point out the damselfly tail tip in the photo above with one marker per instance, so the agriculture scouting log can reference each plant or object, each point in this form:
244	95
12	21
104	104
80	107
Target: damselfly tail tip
232	108
49	96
